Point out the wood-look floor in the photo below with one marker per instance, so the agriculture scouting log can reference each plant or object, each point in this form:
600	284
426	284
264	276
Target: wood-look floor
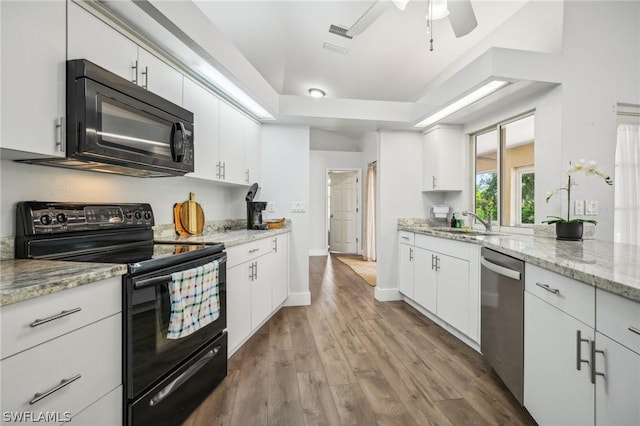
349	359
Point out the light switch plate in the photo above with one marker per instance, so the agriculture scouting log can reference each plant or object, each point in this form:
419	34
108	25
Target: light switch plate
297	207
578	208
591	208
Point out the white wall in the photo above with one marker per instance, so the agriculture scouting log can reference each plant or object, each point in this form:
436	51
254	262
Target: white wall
399	195
321	140
22	182
320	161
285	178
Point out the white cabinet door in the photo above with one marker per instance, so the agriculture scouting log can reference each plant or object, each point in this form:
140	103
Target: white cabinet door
443	159
232	144
261	289
158	77
425	279
280	283
205	107
618	391
90	38
33	75
105	411
238	305
555	391
253	150
453	291
405	269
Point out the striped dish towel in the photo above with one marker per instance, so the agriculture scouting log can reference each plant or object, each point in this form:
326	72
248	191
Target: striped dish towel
195	300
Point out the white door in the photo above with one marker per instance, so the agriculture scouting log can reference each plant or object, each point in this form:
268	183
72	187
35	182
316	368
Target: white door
343	212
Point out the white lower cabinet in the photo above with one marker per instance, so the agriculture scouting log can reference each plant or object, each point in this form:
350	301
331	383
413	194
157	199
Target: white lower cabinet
556	392
255	276
442	276
105	411
582	357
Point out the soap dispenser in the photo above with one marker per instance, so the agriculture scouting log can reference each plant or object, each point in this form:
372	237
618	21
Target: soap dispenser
453	220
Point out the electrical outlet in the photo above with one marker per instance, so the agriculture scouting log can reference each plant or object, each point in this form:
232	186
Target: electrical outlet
297	207
271	206
578	208
591	208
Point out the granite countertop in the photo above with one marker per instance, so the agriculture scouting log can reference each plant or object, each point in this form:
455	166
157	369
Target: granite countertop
613	267
23	279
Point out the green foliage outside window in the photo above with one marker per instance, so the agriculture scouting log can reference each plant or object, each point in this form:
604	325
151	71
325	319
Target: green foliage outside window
528	198
487	195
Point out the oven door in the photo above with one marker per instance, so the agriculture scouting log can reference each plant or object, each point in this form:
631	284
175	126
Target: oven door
149	355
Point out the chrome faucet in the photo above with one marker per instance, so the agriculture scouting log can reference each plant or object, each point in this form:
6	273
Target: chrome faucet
487	224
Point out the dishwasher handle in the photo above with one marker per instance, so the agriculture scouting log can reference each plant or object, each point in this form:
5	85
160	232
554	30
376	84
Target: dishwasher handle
500	269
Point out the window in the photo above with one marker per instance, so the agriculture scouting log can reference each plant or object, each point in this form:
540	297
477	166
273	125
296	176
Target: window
505	172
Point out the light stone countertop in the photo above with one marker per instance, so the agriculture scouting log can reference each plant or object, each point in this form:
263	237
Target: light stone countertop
613	267
23	279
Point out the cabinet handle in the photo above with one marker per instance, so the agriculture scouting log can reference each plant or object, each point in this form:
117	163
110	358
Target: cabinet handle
251	272
218	170
60	134
433	261
410	254
437	263
595	373
634	330
549	289
275	245
255	269
145	73
247	174
65	382
224	170
38	322
254	250
434	182
134	67
579	341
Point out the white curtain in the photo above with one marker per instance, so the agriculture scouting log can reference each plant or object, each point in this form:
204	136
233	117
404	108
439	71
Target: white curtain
370	214
627	185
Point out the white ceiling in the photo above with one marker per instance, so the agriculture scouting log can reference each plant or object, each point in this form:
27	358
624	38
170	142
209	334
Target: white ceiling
390	61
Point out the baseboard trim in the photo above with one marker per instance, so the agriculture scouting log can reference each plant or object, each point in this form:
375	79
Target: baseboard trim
298	299
387	294
318	252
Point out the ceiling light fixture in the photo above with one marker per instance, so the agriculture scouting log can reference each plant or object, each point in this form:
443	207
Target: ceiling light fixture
481	92
437	10
316	93
400	4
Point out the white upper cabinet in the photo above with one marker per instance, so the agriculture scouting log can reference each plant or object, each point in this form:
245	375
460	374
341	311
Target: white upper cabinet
254	150
33	76
233	144
205	107
158	77
92	39
443	165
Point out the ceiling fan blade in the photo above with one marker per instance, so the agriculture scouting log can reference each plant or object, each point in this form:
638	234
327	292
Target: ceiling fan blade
373	13
462	18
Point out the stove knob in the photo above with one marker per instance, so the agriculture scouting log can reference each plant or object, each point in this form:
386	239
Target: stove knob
61	218
147	215
46	219
138	215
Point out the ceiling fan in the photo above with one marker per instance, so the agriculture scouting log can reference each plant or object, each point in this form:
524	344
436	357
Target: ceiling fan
460	13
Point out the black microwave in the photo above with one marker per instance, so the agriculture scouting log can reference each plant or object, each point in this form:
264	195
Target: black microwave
115	126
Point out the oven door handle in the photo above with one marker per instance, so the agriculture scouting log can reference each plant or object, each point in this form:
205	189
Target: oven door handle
181	379
151	282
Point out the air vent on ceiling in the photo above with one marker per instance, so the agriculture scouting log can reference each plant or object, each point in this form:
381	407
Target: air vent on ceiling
338	30
335	48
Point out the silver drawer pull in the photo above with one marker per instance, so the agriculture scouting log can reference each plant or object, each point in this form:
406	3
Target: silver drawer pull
254	250
65	382
549	289
38	322
634	330
405	238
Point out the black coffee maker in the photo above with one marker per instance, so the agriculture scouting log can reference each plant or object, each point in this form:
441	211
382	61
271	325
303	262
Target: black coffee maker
254	210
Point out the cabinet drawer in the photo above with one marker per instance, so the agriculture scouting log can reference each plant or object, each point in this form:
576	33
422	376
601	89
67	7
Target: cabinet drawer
405	237
452	248
571	296
618	318
20	329
105	411
245	252
92	355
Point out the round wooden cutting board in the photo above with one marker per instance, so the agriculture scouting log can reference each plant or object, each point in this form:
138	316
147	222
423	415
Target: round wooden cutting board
192	216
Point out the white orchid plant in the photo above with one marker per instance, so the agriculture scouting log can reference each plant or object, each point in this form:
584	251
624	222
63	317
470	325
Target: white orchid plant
590	168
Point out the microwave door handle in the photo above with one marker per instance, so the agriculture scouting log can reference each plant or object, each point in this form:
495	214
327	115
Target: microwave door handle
178	142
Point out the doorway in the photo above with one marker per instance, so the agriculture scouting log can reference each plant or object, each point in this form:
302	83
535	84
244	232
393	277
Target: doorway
344	216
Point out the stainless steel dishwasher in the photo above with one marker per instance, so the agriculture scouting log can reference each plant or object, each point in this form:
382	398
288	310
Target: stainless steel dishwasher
502	317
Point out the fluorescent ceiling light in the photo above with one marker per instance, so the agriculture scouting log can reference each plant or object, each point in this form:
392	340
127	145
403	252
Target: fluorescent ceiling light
225	85
316	93
465	101
400	4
